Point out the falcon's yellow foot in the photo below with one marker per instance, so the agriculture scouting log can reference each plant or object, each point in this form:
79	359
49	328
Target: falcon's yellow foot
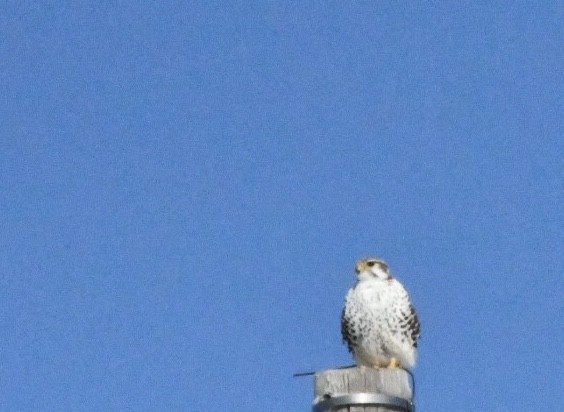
394	364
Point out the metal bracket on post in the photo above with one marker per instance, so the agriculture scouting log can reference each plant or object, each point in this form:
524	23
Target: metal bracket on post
363	399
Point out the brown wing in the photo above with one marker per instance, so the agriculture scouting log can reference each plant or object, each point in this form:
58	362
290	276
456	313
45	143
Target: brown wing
413	325
348	331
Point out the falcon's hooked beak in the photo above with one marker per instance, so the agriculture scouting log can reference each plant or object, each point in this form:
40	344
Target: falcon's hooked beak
360	267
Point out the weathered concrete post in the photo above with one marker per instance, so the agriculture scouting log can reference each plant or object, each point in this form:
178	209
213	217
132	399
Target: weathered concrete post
363	390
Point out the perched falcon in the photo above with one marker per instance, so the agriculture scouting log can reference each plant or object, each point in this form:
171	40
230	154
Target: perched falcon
379	323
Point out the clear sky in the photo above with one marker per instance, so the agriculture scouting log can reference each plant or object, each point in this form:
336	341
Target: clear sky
186	186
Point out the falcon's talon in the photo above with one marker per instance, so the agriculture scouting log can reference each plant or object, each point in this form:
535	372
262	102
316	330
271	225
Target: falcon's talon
394	364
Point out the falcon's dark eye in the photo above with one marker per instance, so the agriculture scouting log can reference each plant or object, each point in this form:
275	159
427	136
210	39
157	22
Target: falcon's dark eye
371	263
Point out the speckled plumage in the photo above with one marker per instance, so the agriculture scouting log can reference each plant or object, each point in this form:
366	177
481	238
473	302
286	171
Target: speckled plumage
379	323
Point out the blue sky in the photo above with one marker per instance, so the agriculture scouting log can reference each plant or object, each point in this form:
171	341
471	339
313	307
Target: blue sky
185	188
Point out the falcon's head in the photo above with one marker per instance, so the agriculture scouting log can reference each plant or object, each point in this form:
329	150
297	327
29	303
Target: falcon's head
372	269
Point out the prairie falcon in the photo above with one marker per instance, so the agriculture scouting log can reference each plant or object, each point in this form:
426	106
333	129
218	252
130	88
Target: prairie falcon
379	323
